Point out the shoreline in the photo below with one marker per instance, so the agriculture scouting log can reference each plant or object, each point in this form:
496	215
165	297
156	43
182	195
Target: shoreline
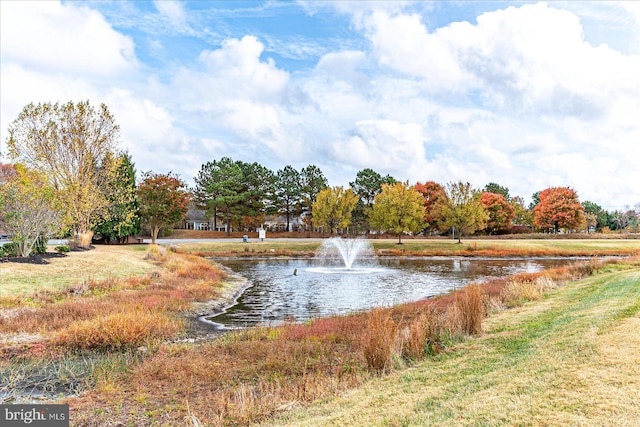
200	329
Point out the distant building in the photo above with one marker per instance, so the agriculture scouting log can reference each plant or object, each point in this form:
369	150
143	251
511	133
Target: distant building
197	219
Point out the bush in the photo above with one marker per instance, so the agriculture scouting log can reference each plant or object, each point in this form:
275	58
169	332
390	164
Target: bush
8	249
41	246
62	249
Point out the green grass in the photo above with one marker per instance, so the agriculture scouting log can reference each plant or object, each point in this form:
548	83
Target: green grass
569	359
73	268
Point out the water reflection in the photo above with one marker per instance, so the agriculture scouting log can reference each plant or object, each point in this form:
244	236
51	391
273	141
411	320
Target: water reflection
277	293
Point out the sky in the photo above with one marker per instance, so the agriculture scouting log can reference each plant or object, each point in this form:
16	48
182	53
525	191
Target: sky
528	95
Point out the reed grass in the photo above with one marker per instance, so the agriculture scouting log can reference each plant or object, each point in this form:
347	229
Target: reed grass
378	340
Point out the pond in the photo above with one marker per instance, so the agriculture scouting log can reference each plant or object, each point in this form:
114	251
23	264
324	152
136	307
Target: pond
300	290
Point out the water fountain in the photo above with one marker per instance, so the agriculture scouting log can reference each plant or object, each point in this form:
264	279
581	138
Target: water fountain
345	256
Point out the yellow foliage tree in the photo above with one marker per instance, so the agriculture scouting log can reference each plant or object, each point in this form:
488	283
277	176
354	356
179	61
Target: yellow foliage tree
333	207
398	208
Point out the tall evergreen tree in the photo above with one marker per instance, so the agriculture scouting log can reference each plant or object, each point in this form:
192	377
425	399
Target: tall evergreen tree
288	192
312	181
367	185
122	218
258	188
219	188
494	188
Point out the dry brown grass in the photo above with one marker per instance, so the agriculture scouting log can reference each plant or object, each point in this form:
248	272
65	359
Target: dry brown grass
379	339
252	375
415	337
471	308
118	330
114	313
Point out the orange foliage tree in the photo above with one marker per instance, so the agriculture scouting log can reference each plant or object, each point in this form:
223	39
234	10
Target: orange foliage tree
559	208
501	213
163	201
432	193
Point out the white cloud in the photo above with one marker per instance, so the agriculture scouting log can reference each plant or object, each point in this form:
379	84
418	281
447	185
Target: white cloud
402	43
54	37
532	59
238	95
173	11
383	144
237	70
347	66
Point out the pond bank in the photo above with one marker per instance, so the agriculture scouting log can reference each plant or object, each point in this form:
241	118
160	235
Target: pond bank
200	329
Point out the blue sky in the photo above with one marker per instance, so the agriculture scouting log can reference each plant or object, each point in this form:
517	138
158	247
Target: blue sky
529	95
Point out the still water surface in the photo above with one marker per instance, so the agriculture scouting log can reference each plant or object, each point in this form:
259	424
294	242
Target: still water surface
276	293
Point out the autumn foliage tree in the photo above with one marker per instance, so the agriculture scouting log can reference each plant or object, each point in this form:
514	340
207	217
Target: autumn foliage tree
433	193
163	201
499	210
462	210
398	208
367	185
71	144
333	207
558	208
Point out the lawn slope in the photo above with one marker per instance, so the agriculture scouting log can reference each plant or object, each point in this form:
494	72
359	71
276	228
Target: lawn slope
572	358
55	271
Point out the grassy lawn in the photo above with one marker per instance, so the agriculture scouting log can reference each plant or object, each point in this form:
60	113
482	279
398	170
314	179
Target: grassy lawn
570	359
427	247
76	267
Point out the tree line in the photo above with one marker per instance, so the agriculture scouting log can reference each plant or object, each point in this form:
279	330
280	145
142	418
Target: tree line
69	179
